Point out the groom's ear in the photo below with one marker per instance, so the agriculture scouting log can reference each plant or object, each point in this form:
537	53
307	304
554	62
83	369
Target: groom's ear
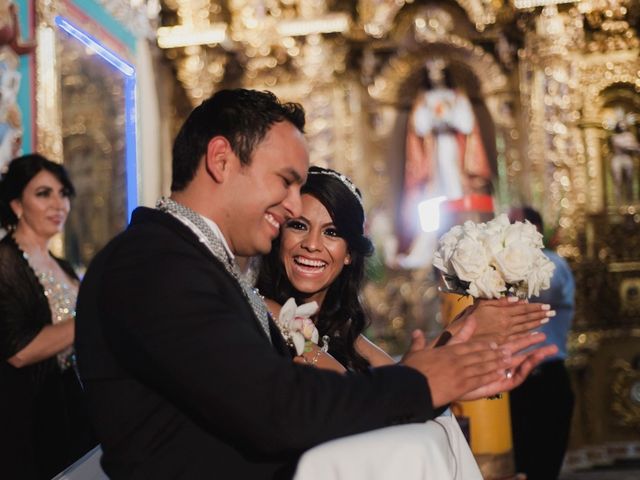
217	158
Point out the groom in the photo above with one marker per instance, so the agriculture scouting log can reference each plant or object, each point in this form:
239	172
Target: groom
185	374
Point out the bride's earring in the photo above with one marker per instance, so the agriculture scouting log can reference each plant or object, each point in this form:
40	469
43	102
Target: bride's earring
347	260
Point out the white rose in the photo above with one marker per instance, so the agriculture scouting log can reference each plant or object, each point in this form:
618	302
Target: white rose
539	277
449	241
469	259
519	232
440	264
493	243
501	221
515	261
471	230
446	247
497	226
492	235
488	285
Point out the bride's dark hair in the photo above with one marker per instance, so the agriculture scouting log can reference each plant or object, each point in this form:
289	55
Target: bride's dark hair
342	316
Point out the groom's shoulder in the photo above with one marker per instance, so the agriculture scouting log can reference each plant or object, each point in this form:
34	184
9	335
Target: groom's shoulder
150	229
152	238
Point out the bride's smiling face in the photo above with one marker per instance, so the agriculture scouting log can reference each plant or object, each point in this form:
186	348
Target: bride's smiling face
311	250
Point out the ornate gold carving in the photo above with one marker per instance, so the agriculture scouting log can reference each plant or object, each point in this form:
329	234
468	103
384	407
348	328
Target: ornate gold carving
550	94
378	17
48	116
139	16
583	344
331	124
618	70
388	85
626	390
609	20
433	24
266	44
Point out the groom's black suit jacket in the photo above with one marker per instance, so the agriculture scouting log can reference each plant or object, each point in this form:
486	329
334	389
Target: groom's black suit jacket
182	381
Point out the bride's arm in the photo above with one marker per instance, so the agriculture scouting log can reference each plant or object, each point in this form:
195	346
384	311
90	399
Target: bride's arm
317	358
373	353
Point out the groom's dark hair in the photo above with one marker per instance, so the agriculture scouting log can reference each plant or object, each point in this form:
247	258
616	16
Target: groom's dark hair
242	116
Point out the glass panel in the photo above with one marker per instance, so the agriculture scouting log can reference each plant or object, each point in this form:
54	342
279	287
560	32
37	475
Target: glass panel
94	97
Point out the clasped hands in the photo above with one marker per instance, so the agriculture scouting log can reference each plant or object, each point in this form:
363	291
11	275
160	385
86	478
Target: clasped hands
489	351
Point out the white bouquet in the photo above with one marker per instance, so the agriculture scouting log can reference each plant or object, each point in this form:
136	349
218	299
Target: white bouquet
493	259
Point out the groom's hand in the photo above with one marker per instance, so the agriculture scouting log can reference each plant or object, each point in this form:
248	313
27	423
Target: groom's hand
460	367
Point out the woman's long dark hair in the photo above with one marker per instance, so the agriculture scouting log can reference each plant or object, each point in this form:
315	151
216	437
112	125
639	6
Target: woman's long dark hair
341	317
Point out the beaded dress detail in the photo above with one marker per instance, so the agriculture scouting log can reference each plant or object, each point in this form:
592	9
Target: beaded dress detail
62	302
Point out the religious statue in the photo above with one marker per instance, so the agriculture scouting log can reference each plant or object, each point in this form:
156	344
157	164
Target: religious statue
624	146
445	156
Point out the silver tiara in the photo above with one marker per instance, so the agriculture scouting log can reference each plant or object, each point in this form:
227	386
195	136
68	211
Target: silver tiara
345	181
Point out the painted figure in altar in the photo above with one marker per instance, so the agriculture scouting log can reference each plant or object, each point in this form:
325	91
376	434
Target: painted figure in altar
624	146
445	156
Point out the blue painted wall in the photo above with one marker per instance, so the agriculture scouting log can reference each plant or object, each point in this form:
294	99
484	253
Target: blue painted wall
25	94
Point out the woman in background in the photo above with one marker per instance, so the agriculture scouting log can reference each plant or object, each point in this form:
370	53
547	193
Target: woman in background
43	422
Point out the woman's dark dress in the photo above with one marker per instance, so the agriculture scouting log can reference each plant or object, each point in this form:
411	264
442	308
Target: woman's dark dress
44	425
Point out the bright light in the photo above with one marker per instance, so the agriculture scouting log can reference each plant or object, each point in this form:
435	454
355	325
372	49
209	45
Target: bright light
334	23
184	36
539	3
429	214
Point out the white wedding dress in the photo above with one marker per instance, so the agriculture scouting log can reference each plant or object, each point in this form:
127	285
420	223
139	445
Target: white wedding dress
435	450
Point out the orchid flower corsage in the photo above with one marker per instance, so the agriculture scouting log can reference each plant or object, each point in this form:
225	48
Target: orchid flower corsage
296	325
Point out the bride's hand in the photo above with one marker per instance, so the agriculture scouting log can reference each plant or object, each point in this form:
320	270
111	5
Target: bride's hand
504	318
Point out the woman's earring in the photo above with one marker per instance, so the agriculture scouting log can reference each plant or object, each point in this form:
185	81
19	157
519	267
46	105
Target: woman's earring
347	260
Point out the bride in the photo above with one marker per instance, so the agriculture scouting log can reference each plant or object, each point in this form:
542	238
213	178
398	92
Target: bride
320	256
